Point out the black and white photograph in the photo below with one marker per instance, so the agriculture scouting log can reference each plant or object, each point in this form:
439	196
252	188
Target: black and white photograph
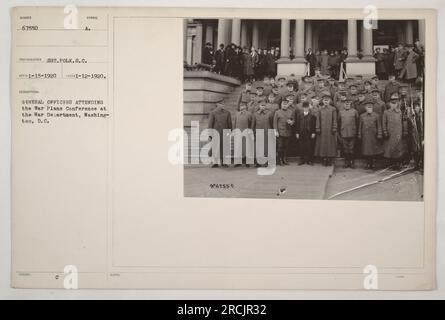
304	109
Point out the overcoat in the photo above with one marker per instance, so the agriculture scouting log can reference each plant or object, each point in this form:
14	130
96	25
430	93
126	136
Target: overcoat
394	130
347	122
324	57
280	122
380	66
326	128
399	58
410	71
248	64
370	131
243	121
262	121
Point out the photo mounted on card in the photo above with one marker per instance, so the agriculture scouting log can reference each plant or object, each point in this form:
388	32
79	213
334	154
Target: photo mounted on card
304	108
192	148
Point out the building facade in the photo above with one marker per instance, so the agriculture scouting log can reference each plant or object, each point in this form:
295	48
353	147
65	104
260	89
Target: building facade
294	37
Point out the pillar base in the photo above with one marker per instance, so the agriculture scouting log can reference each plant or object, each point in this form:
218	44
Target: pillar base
364	66
288	67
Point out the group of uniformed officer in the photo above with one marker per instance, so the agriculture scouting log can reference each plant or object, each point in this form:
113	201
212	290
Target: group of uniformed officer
323	118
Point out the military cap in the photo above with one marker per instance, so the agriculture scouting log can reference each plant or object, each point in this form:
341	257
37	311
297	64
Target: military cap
290	96
367	81
326	95
369	102
221	101
348	101
375	90
342	92
362	92
353	85
279	78
260	87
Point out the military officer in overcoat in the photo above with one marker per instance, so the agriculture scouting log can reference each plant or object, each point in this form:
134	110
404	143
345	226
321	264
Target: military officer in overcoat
220	119
370	134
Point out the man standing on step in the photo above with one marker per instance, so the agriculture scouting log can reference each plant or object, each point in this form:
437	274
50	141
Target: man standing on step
244	142
370	134
220	60
262	122
347	123
395	131
305	121
244	96
282	124
220	119
326	128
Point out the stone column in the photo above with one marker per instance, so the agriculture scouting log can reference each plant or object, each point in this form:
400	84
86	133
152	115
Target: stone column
308	35
409	32
352	39
422	31
236	31
285	38
367	42
244	40
255	34
209	34
299	39
366	65
223	31
197	43
184	30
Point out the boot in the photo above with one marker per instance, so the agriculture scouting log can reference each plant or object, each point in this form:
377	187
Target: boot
347	163
285	161
373	164
352	164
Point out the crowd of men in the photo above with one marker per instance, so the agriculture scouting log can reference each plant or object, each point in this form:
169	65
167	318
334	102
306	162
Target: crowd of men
405	61
322	118
242	63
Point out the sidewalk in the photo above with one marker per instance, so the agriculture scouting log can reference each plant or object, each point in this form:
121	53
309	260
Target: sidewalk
289	182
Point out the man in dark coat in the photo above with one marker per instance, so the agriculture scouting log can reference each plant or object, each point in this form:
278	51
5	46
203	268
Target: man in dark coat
248	65
312	60
220	120
305	121
282	124
243	151
347	124
262	122
270	65
220	60
380	67
370	133
420	50
207	55
230	60
394	128
399	59
326	129
391	87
